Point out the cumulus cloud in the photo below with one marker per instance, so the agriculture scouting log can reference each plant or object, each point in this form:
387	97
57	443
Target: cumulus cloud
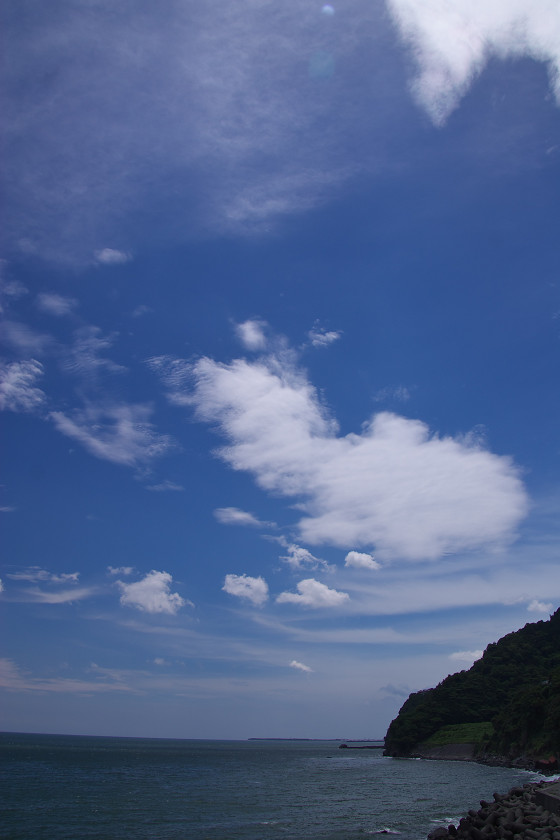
235	516
299	558
466	655
396	486
54	304
120	570
299	666
152	594
17	386
313	593
539	607
254	589
452	42
112	256
119	433
1	585
359	560
322	338
252	334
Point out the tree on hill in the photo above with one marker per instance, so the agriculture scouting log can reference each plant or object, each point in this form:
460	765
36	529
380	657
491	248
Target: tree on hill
515	686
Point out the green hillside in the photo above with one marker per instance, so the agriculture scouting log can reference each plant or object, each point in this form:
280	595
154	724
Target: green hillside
514	690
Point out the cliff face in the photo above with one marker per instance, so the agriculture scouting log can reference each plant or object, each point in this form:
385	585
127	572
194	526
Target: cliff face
515	687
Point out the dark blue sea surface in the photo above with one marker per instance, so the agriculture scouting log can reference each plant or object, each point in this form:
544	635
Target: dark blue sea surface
55	787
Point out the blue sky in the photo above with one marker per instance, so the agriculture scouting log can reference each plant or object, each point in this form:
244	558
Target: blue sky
281	325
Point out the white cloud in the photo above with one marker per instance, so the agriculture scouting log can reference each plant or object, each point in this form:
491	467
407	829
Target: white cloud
9	288
299	558
466	655
176	375
254	589
1	585
35	574
252	334
120	570
195	148
359	560
299	666
540	607
152	594
396	486
313	593
397	393
17	386
165	487
112	256
23	339
55	304
452	42
235	516
13	678
121	433
84	357
322	338
60	596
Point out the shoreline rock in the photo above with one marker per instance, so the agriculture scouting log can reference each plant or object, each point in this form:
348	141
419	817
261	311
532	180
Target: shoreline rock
517	815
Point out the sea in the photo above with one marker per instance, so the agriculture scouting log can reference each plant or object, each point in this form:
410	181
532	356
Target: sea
76	787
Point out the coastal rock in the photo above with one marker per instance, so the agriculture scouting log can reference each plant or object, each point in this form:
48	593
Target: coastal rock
525	813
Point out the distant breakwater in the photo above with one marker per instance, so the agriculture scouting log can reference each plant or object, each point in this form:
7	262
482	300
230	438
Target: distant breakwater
531	812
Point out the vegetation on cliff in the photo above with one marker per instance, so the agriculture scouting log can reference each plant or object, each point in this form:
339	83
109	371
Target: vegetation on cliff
514	690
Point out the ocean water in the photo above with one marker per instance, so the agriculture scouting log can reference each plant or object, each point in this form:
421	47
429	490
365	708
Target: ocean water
54	787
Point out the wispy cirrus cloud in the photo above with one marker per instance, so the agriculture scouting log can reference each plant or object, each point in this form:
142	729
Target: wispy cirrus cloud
24	340
120	433
85	356
235	516
60	596
112	256
55	304
18	391
320	337
300	666
35	574
165	487
14	678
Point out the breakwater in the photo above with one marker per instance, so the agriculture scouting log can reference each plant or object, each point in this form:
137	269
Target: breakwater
530	812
